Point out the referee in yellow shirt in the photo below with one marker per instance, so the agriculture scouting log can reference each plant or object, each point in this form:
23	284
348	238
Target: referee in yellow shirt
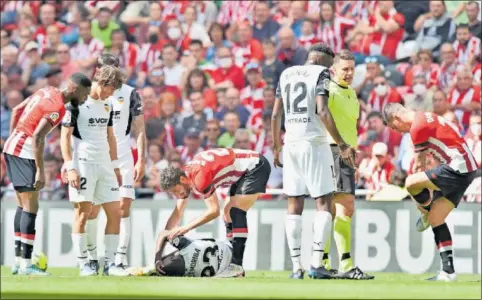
345	109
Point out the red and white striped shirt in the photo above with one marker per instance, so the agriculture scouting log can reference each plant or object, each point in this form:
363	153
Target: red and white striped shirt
457	97
41	34
149	55
442	140
235	11
219	168
255	120
334	33
464	52
307	41
185	155
87	49
377	102
252	98
476	70
431	75
447	75
129	55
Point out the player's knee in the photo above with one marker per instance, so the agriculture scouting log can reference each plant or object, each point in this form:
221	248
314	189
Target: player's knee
324	203
30	205
434	219
81	217
125	207
295	206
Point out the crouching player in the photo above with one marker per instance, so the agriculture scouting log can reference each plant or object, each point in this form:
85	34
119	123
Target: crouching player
448	181
192	258
246	172
89	150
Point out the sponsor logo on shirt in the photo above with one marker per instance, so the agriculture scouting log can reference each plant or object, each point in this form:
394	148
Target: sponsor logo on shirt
106	107
120	100
97	121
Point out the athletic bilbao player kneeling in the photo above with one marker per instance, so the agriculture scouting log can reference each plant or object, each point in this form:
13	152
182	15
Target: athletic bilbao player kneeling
245	172
432	134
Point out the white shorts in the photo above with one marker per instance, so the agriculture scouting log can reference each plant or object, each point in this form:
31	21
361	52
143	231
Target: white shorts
308	169
126	165
98	184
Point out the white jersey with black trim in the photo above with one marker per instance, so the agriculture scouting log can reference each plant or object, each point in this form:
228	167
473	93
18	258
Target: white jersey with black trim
89	138
298	88
127	105
203	257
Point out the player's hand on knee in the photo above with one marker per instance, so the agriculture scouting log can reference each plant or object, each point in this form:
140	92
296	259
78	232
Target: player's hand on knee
39	180
73	178
118	176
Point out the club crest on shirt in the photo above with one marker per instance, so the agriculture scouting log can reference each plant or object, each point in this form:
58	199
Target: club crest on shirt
54	116
326	84
120	100
106	107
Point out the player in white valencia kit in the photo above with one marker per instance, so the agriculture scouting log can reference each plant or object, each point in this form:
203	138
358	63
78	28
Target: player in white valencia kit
307	159
90	154
192	258
128	120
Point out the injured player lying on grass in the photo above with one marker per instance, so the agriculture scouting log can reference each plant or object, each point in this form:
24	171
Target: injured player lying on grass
192	258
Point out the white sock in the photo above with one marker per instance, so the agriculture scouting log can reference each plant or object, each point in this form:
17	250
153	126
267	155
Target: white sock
293	225
124	236
18	259
321	230
25	263
111	241
79	241
91	232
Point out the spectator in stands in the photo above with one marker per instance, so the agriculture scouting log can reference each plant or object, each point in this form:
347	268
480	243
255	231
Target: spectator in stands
4	39
378	132
149	54
55	77
308	38
440	104
155	132
247	49
12	99
233	12
289	53
198	118
191	145
25	35
382	94
231	124
64	59
155	163
411	13
9	64
128	54
54	188
477	70
198	53
103	26
252	94
171	66
448	67
333	27
435	27
227	74
271	67
47	18
197	81
424	67
473	13
34	75
53	37
466	46
232	104
269	96
134	17
242	139
87	49
473	137
176	36
419	97
217	34
211	134
377	170
297	16
150	103
170	117
405	154
193	29
464	97
264	28
155	79
206	12
4	181
373	70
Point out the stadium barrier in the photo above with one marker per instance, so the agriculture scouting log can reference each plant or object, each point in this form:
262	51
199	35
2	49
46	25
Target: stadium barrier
384	235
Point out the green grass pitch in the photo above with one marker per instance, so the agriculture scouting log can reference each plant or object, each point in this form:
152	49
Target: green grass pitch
64	283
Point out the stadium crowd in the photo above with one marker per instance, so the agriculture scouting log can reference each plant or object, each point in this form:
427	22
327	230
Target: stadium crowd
207	70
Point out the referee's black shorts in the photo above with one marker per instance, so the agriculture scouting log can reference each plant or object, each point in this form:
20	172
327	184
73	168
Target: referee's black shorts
344	174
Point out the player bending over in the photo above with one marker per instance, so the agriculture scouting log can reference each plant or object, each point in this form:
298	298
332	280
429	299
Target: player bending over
128	121
31	121
193	258
246	172
432	134
90	154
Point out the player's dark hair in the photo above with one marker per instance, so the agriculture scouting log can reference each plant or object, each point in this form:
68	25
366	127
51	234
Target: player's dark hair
322	48
108	59
196	42
324	55
344	55
389	110
463	26
81	79
172	265
109	75
473	2
170	177
105	9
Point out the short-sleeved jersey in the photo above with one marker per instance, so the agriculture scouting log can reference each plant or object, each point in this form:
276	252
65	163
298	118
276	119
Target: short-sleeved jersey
89	138
221	167
126	105
345	109
46	103
442	139
298	87
203	258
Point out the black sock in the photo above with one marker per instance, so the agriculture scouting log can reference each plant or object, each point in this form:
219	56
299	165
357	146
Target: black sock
240	234
443	240
422	197
16	229
229	231
27	229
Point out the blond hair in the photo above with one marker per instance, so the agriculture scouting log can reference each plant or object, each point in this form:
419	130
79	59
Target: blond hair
109	75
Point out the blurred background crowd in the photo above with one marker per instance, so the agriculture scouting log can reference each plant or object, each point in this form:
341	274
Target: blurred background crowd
207	70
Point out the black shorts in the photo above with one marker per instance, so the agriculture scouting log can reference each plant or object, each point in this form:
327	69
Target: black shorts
21	172
253	181
344	174
452	184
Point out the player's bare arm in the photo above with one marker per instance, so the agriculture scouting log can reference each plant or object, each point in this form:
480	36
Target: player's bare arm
211	213
16	113
347	152
73	177
38	146
113	153
139	132
176	214
276	130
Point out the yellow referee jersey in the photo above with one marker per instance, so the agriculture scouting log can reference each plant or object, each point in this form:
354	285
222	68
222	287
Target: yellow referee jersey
345	108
